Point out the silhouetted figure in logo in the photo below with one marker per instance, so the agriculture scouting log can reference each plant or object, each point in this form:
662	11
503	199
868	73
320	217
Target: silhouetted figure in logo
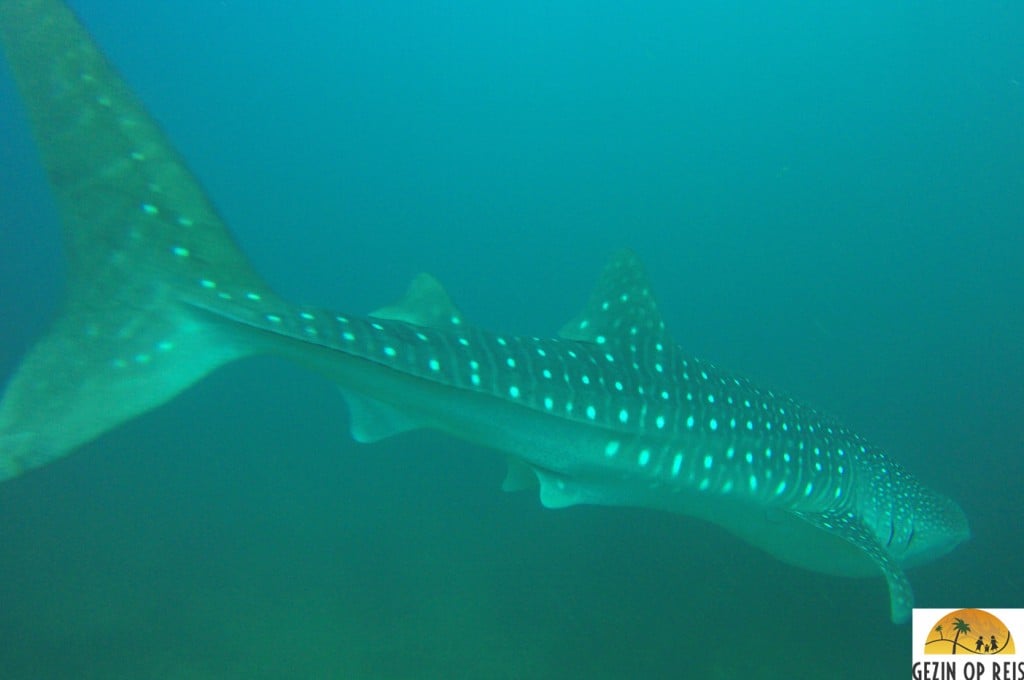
986	649
978	645
994	645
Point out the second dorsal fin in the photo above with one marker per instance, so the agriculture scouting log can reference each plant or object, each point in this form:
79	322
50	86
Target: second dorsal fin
425	303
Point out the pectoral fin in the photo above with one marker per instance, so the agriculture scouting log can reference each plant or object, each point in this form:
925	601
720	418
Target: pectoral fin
848	527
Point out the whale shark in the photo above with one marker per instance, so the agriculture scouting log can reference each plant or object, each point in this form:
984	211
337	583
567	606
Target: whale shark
609	411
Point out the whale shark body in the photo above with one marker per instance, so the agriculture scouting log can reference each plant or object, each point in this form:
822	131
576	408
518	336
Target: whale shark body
608	412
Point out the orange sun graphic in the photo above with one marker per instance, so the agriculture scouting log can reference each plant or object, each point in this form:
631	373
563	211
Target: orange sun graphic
969	631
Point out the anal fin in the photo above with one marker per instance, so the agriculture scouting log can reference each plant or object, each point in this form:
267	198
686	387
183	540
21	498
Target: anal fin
519	476
372	420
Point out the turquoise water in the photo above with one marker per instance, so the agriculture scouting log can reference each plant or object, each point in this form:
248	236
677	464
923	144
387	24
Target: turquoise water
828	198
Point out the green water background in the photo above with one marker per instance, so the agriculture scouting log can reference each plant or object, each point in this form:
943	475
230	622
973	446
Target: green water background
830	200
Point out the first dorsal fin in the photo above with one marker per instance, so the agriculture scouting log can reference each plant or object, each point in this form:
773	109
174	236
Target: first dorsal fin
621	307
425	303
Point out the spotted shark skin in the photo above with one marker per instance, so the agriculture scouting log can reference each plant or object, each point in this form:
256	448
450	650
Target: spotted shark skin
609	412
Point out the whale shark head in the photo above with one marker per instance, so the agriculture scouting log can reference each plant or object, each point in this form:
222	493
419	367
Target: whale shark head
939	526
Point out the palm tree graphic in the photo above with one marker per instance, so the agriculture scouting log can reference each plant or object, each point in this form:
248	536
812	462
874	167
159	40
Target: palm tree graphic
960	626
938	629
